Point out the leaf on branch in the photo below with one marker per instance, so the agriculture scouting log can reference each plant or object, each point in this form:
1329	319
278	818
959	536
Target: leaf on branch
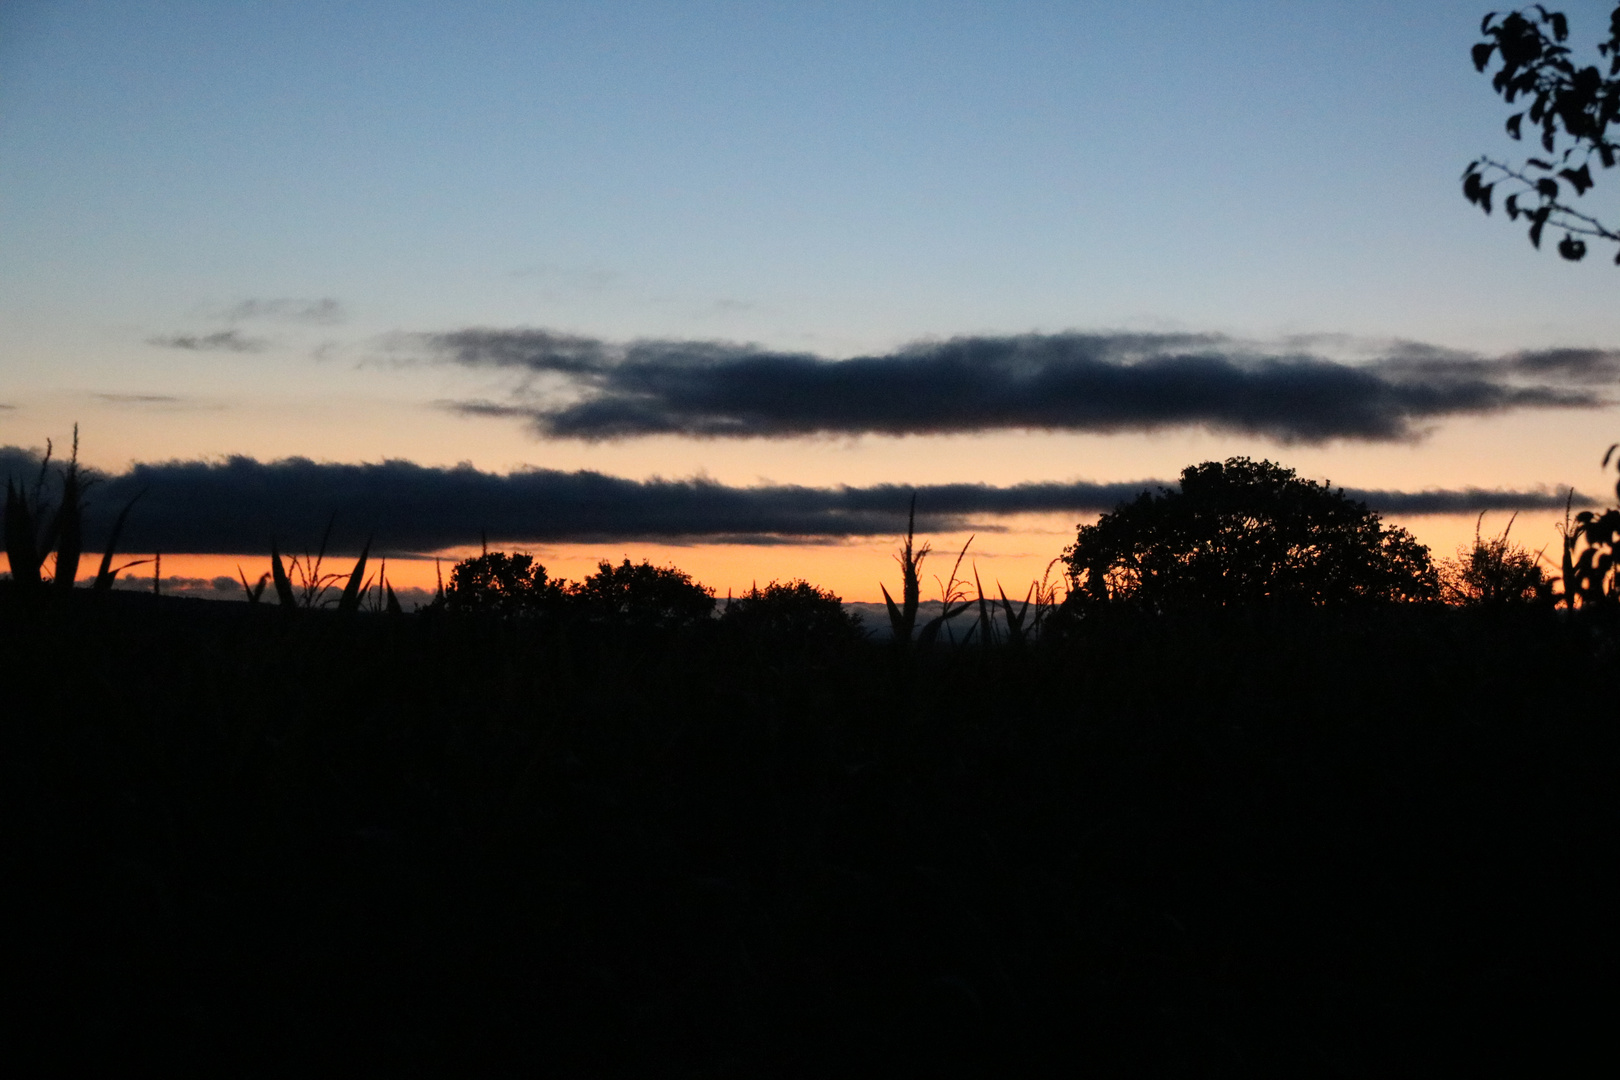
1581	178
1482	55
1513	124
1606	152
1560	25
1547	189
1512	207
1471	187
1535	232
1572	249
1485	198
1538	163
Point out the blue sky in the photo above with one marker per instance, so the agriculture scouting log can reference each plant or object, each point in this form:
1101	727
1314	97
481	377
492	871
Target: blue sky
831	178
865	172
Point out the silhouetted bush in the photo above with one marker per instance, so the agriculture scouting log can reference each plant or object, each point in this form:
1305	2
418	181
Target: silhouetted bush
644	595
1494	572
795	612
502	586
1591	559
1243	533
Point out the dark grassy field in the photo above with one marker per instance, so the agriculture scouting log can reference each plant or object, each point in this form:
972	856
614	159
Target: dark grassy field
1339	845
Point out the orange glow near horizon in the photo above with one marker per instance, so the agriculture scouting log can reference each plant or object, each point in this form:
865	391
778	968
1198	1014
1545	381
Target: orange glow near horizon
852	569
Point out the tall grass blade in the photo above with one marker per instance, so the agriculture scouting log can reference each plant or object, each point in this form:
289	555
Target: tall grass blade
350	600
1015	620
254	592
986	626
42	547
106	574
69	522
931	628
897	621
278	573
20	548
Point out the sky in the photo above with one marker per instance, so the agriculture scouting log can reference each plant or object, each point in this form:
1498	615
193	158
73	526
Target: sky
719	284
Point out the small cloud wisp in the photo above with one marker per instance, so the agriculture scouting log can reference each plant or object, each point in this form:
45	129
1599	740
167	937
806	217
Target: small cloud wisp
219	341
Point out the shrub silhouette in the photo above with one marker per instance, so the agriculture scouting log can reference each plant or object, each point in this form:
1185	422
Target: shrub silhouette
500	585
1244	533
795	612
1494	572
644	595
1590	576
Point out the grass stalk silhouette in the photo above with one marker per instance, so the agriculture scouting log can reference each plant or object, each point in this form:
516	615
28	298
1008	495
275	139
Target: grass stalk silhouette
315	583
903	616
35	528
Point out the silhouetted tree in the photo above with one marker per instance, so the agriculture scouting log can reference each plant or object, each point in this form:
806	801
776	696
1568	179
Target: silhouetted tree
1241	533
644	594
500	585
796	612
1573	107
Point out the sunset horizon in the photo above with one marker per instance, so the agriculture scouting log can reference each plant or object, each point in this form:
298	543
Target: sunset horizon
832	249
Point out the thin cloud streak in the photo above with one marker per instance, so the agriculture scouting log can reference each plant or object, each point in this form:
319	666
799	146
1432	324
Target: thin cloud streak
157	402
239	504
1071	382
322	311
219	341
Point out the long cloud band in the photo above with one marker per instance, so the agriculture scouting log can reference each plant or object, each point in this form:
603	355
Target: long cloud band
1072	382
239	504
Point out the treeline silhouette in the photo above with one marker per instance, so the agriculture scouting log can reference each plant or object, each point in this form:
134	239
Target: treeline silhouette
596	828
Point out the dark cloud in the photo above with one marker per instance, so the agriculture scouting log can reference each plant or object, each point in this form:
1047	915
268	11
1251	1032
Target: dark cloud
1054	382
19	465
219	341
239	504
1575	365
1467	500
1568	367
322	311
484	408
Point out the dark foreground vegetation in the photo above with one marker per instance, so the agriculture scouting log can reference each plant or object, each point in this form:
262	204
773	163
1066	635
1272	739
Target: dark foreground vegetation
1367	843
1252	799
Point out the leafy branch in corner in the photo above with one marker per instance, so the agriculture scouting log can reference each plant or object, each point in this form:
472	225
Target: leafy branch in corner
1573	107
